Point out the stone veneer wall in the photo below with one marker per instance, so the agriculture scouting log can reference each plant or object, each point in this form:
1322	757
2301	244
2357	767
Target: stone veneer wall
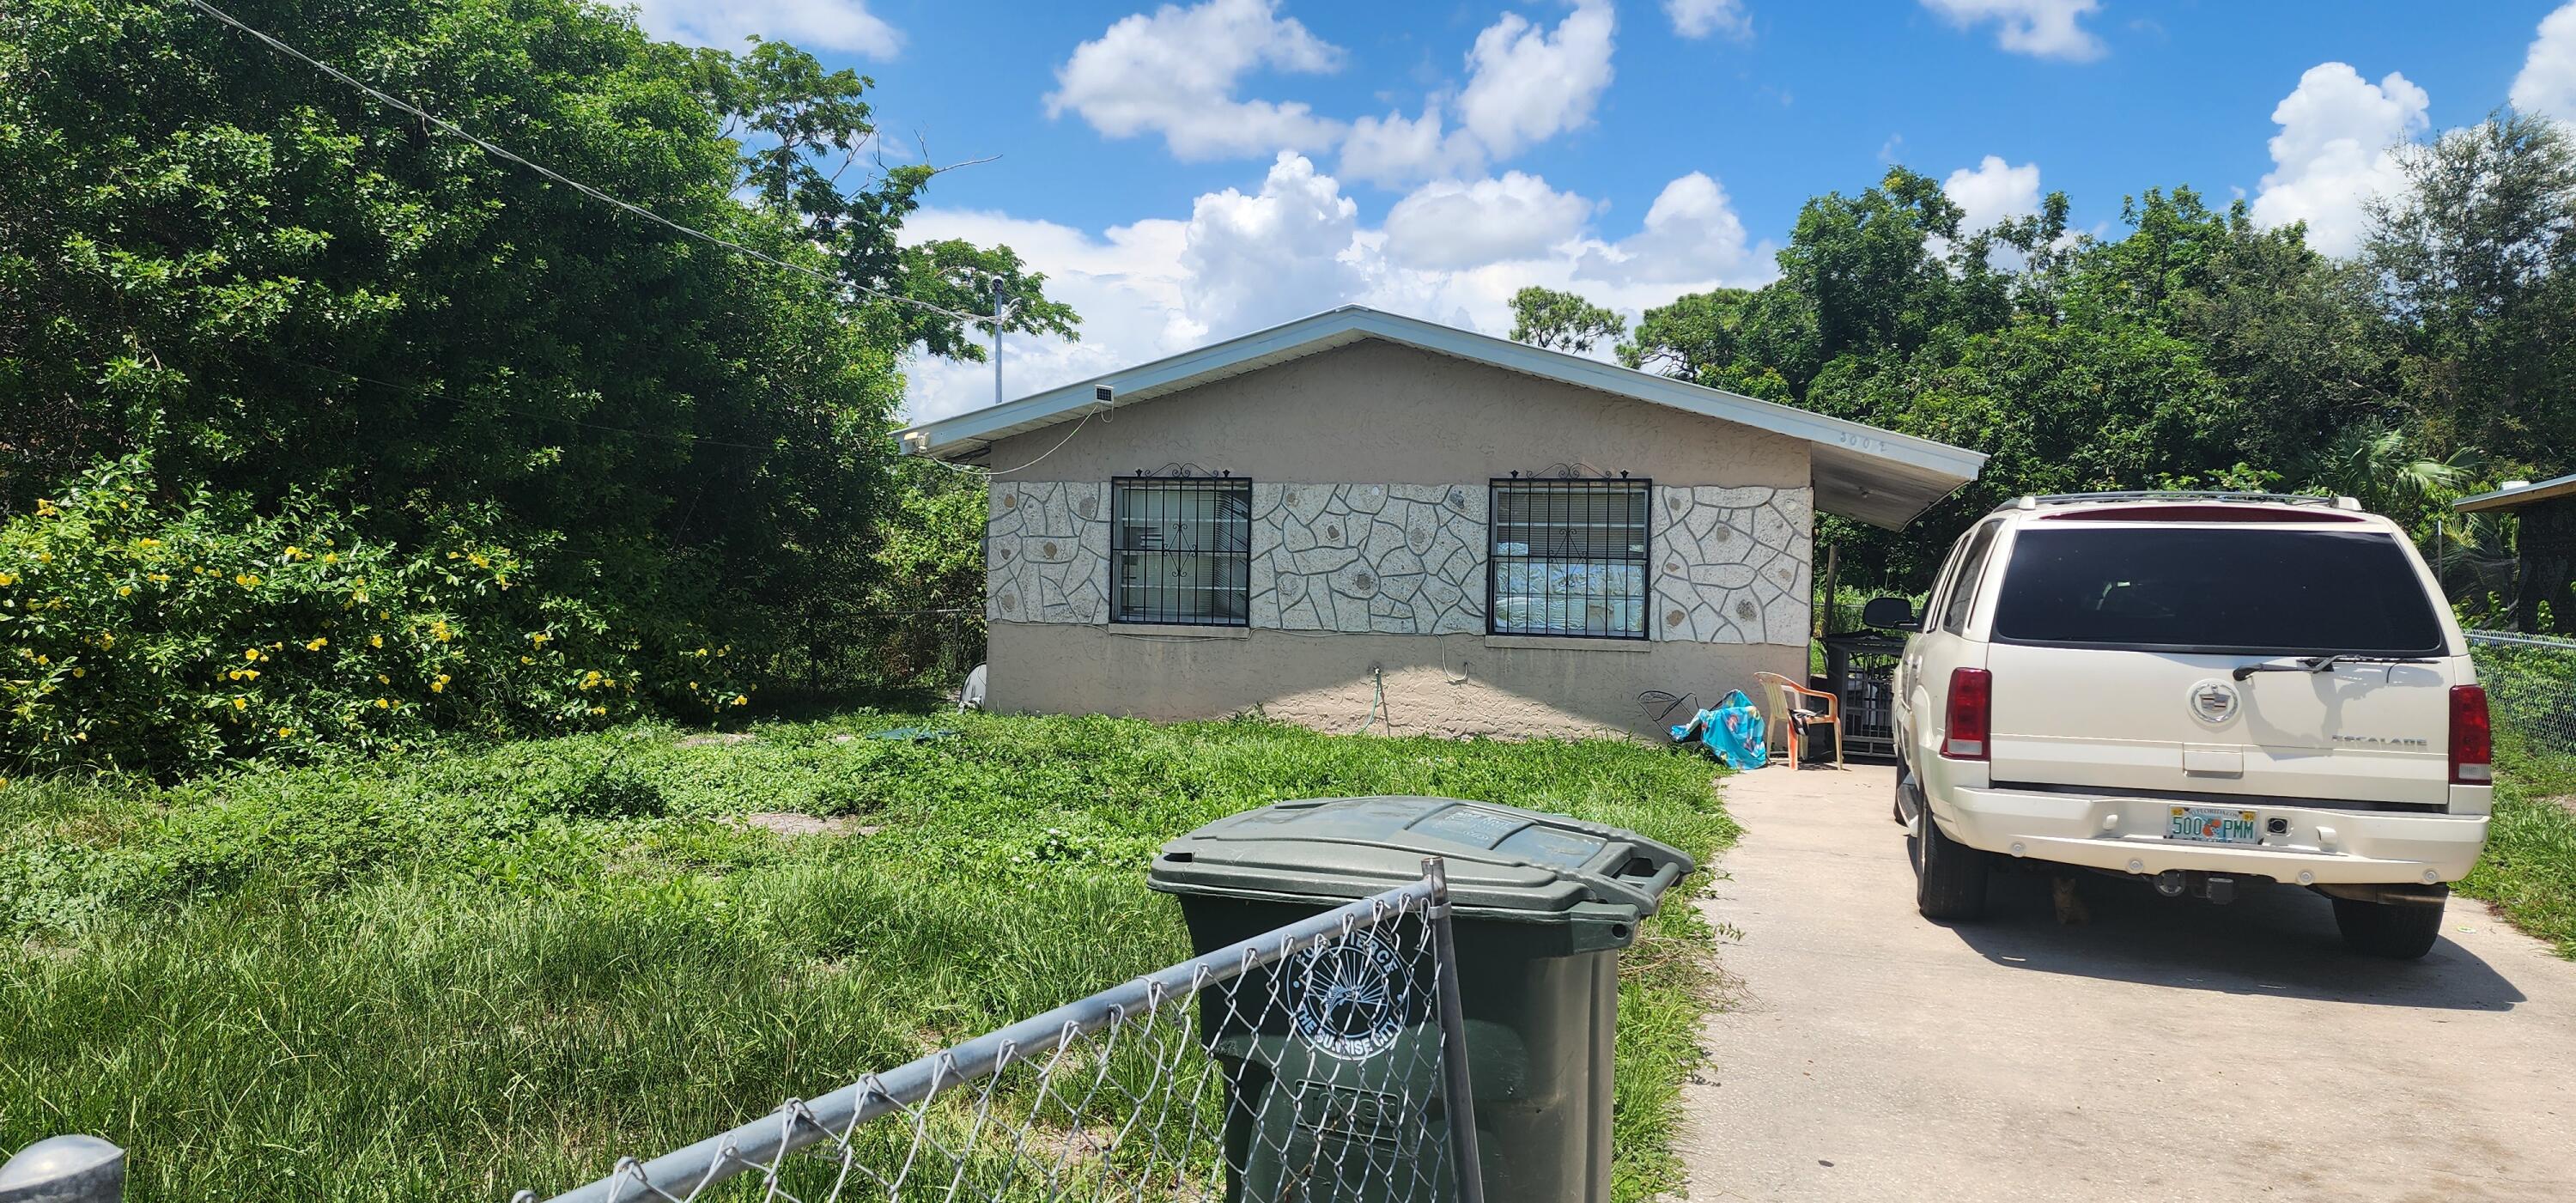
1389	559
1046	552
1730	564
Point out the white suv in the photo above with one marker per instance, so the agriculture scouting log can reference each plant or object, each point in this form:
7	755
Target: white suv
2206	690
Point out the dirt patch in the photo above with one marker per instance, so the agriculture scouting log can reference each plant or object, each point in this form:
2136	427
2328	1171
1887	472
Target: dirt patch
2565	802
727	738
790	823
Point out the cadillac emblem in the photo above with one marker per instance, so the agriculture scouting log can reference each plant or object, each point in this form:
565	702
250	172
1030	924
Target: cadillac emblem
1349	999
2213	702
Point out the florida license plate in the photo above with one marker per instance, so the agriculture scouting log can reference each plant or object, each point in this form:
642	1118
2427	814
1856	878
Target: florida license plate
2213	826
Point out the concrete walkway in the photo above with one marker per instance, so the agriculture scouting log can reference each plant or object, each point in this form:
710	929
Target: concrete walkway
2165	1050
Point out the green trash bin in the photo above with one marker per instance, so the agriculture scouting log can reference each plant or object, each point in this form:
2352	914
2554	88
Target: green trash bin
1541	904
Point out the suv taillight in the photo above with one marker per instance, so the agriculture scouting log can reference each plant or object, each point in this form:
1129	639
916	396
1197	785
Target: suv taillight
2472	740
1972	694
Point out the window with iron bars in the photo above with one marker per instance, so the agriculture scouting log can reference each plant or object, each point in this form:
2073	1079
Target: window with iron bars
1180	551
1567	557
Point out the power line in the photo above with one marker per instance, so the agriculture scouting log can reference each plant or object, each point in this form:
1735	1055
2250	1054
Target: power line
565	180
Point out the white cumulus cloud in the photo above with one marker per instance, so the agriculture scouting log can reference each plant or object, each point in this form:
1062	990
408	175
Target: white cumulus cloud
2547	83
1456	224
1529	84
1247	258
1691	234
812	24
2334	152
1175	73
2041	28
1700	18
1397	150
1992	191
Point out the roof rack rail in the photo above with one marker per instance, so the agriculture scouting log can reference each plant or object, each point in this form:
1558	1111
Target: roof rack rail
2036	500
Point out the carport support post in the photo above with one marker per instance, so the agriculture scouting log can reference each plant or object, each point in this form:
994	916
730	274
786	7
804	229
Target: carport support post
1461	1101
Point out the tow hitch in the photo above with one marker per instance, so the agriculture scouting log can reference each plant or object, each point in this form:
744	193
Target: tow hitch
2217	888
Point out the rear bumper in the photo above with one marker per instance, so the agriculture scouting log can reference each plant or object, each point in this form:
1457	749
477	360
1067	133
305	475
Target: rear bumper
2127	835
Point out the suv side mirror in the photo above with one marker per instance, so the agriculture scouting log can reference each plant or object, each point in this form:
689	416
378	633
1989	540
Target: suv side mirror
1888	614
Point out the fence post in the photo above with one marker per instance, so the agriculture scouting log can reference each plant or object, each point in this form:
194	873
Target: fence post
65	1169
1453	1038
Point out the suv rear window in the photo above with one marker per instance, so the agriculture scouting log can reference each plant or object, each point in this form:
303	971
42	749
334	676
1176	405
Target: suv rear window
2216	589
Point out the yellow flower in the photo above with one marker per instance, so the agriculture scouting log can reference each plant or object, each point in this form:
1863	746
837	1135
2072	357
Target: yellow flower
330	557
147	543
125	590
293	551
4	783
537	638
438	630
240	702
7	580
382	704
45	557
693	684
45	508
80	672
317	644
250	653
741	699
439	685
106	639
382	679
248	674
478	560
159	578
44	659
245	580
527	659
375	641
283	732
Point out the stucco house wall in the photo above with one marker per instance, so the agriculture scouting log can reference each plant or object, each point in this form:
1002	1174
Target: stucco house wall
1370	465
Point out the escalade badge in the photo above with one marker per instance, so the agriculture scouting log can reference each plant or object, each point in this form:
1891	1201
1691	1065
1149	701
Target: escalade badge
2213	702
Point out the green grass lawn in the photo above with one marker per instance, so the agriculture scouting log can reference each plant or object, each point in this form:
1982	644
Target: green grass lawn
2529	870
462	974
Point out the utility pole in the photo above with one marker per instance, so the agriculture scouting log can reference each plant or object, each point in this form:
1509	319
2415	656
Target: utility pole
997	340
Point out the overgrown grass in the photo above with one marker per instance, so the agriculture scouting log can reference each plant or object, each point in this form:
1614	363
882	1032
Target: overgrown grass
2529	870
455	976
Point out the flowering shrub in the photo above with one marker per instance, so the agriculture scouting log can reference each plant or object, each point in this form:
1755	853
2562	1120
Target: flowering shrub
139	632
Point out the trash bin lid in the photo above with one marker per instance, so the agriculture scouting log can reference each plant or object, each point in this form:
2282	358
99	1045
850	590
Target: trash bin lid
1503	861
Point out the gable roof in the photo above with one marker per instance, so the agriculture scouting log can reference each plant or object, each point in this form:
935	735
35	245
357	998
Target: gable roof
1861	472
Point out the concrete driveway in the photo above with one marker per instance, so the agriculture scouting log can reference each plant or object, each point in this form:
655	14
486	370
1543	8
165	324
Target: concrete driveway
2165	1050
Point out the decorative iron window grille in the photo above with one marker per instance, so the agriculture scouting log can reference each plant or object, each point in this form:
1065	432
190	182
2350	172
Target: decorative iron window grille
1180	550
1567	557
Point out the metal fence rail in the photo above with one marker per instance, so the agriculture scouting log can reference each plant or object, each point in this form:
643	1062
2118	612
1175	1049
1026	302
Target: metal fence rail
1318	1061
2531	689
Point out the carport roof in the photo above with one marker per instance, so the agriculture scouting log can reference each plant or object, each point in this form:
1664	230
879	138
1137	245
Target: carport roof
2514	497
1861	472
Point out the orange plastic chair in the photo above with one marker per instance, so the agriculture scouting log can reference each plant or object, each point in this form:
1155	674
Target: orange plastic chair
1785	696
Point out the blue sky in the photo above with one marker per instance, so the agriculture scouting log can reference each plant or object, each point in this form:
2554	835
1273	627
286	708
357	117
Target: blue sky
1191	171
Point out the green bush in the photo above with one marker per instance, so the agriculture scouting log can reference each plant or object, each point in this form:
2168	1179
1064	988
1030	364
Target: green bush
144	632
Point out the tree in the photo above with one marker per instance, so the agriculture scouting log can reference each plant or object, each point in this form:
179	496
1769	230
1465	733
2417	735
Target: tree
248	278
1561	321
2475	257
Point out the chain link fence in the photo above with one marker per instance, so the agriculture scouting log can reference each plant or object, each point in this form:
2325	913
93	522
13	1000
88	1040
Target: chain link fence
1319	1062
2531	690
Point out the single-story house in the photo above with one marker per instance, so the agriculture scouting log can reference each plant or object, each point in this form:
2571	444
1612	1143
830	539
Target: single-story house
1361	520
2545	547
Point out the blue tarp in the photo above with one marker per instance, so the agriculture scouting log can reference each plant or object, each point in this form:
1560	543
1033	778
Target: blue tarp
1732	731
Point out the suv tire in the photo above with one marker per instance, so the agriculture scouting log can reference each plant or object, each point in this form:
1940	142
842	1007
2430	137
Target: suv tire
1949	877
2402	930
